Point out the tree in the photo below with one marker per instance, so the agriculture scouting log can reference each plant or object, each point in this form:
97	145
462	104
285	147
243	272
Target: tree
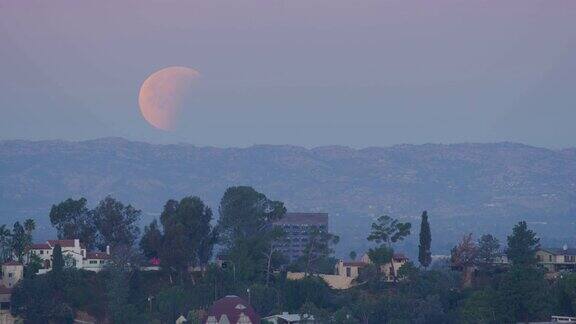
389	230
525	294
151	241
73	220
33	265
522	245
352	255
116	223
488	249
29	227
381	255
121	271
188	235
5	243
57	259
271	254
464	256
244	213
424	253
19	241
319	246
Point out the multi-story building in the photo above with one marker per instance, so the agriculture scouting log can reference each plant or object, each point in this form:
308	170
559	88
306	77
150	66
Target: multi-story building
554	259
297	227
74	253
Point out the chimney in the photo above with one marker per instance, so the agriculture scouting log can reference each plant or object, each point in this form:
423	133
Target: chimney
108	249
76	243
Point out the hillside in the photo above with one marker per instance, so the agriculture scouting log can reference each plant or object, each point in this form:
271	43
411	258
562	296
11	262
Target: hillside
465	187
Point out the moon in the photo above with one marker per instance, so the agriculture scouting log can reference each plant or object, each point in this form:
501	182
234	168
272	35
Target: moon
162	95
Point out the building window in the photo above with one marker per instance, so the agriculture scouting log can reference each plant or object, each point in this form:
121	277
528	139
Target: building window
348	272
41	251
550	258
93	262
10	275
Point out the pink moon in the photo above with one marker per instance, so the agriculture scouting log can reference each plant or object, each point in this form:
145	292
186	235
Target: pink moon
162	95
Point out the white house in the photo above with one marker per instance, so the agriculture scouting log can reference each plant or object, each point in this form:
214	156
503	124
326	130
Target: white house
74	253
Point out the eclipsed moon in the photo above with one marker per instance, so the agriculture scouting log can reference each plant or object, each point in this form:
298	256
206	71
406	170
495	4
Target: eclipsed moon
162	95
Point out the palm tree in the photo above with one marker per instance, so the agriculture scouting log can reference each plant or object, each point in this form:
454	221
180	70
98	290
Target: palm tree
29	226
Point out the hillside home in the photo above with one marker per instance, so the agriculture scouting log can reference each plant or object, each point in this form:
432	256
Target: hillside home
352	269
12	273
74	253
554	259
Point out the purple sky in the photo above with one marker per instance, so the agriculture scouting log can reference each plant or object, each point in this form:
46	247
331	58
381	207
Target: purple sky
305	72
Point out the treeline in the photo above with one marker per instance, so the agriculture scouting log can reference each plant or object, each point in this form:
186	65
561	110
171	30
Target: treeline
471	287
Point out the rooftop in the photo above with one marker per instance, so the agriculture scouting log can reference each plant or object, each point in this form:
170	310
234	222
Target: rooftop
560	251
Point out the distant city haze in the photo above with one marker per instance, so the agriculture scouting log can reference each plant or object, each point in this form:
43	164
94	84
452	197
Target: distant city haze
311	73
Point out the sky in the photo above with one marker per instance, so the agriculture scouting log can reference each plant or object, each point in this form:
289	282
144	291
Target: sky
303	72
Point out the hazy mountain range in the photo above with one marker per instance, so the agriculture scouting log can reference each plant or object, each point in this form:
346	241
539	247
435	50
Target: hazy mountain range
465	187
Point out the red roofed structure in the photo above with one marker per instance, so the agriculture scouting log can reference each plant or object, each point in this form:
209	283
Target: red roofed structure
233	310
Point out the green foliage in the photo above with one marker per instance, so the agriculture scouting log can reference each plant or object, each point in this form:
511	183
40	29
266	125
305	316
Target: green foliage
488	249
55	297
188	235
310	289
5	243
352	255
57	259
565	294
151	241
388	230
117	224
20	239
381	255
265	300
525	293
244	213
480	307
34	264
318	247
424	248
522	245
73	220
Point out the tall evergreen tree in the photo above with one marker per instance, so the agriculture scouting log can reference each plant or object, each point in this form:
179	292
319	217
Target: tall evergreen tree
57	259
522	245
424	253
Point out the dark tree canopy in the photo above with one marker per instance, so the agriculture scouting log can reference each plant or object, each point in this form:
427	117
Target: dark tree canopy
73	220
57	259
188	234
522	245
20	240
424	248
117	224
389	230
244	212
151	241
488	249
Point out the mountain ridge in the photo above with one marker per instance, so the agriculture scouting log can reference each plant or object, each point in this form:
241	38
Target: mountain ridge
475	187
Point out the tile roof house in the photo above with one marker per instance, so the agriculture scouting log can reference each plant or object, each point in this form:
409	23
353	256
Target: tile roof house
231	310
74	252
